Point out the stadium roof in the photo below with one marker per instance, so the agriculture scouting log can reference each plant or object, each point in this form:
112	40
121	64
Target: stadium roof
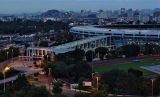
69	46
116	31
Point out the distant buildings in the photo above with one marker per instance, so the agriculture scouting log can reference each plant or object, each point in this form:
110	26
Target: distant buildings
102	17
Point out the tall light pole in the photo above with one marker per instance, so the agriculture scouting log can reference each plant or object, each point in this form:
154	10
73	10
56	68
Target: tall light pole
92	59
12	54
92	65
49	73
7	55
49	79
4	77
47	57
97	78
4	82
152	86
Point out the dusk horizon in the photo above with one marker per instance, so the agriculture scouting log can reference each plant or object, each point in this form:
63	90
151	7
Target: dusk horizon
30	6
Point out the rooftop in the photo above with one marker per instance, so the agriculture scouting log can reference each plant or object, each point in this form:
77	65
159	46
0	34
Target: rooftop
117	31
69	46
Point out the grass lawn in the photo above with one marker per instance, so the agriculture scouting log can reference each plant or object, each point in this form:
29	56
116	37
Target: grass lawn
135	65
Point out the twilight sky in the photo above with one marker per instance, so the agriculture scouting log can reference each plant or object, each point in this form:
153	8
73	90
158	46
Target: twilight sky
27	6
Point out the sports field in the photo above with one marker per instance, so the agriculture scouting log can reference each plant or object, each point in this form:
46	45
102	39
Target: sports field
125	67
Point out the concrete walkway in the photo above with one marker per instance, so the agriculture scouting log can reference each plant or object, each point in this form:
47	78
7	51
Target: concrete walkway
26	67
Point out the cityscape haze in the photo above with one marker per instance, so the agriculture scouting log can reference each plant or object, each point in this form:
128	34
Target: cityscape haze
31	6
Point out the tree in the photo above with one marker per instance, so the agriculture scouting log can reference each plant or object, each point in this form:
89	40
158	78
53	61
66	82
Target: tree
143	87
96	93
157	86
131	50
28	26
89	55
151	49
117	80
112	54
21	81
7	93
47	57
134	72
33	92
79	94
121	82
12	52
99	93
58	69
57	88
26	45
70	71
43	44
77	54
15	52
80	69
58	95
102	51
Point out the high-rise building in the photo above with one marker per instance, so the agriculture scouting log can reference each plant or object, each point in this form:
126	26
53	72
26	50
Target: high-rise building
136	15
130	13
123	10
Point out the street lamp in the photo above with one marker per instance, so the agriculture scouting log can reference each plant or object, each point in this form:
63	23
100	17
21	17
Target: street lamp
47	57
92	59
49	79
97	79
49	73
7	55
12	55
92	75
4	75
152	86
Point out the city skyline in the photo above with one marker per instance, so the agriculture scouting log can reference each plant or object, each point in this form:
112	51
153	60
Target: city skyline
30	6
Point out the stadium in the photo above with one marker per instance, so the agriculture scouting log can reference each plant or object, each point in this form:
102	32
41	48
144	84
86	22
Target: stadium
96	36
120	36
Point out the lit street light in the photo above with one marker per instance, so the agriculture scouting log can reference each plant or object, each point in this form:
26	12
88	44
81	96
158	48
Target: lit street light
97	77
4	75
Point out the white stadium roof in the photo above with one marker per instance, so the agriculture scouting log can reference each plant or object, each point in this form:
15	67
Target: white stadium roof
69	46
116	31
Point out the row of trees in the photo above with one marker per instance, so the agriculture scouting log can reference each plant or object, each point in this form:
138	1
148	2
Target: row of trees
131	50
131	82
9	53
72	67
28	26
119	82
73	72
94	93
22	88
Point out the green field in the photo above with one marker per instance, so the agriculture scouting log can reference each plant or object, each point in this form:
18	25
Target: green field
125	67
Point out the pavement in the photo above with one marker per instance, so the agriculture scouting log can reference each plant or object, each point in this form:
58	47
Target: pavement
26	67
